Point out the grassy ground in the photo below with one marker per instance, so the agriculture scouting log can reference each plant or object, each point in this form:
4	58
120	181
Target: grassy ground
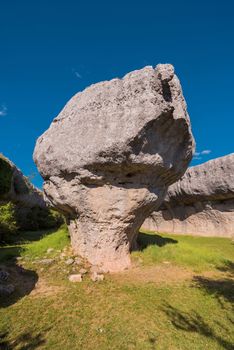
178	295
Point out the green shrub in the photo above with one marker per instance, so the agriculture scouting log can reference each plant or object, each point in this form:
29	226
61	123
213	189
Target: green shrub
8	222
5	176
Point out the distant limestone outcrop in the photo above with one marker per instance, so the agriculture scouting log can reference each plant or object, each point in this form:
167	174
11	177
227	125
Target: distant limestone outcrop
15	187
200	203
31	210
109	157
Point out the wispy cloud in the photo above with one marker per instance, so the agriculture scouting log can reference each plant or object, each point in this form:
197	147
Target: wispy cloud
206	151
198	155
3	111
78	75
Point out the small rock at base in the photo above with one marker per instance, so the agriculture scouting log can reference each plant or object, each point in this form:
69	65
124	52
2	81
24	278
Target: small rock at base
46	261
50	250
97	269
83	271
69	261
78	261
75	278
95	277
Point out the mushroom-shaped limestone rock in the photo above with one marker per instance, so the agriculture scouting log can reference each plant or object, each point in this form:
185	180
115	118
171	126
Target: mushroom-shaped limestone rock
109	157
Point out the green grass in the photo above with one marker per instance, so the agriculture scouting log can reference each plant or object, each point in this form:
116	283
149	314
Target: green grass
194	313
198	253
42	240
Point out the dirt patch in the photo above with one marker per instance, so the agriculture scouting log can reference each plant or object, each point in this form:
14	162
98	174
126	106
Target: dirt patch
43	288
165	273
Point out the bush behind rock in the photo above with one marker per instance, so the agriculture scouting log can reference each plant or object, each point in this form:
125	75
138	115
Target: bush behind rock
14	219
8	220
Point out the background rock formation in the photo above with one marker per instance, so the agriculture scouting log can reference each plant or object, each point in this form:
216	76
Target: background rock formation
201	203
28	209
110	155
15	187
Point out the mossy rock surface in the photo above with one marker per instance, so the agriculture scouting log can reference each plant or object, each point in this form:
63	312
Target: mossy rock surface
6	172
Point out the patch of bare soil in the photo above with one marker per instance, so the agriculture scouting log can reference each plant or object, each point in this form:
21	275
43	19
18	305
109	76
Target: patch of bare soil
42	288
165	273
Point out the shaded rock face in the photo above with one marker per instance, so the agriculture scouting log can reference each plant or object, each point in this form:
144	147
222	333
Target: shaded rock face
29	208
201	203
15	187
109	157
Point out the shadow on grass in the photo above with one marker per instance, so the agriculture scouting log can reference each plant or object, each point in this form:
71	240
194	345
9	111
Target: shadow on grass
220	288
8	254
23	237
228	267
144	240
193	322
21	279
25	341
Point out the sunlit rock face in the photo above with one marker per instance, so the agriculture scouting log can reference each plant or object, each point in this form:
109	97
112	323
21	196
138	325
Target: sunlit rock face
201	203
109	157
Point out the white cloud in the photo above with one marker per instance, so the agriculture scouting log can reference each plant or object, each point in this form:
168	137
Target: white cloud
78	75
206	151
198	155
3	111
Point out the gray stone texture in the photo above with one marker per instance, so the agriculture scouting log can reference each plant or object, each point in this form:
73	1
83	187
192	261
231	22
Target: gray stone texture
201	203
109	157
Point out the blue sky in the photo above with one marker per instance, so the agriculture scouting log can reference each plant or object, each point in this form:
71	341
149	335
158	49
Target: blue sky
52	49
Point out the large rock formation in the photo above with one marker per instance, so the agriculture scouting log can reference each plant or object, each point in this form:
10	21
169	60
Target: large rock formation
201	203
110	155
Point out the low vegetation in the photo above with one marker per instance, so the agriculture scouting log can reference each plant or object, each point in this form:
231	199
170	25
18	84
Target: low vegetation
8	221
15	218
178	295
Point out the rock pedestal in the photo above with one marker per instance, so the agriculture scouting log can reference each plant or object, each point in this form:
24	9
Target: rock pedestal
109	157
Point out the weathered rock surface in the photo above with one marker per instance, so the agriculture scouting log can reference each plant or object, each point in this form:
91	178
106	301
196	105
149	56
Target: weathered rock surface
109	157
201	203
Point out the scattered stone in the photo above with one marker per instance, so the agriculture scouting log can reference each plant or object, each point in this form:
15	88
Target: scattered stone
46	261
50	250
69	261
95	277
6	290
97	269
83	271
75	278
139	142
78	261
